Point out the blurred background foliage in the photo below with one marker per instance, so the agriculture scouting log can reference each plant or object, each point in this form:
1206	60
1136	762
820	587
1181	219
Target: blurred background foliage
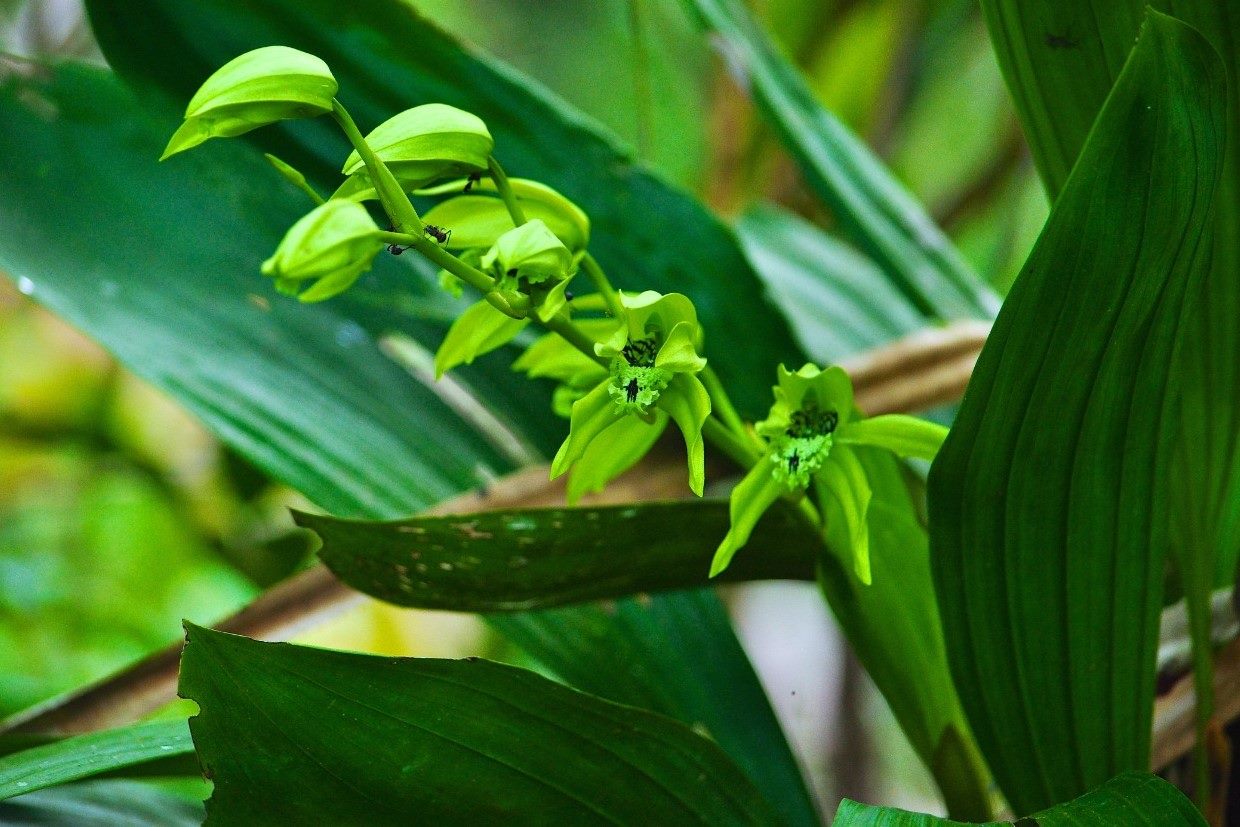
120	515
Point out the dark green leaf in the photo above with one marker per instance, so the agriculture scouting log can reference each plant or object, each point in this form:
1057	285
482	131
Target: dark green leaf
292	734
1061	58
837	300
893	625
1133	799
92	754
1048	502
647	234
679	663
102	804
506	561
875	211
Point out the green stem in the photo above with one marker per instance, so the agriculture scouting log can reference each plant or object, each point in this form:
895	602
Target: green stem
1200	621
722	403
404	217
510	303
640	61
505	191
572	334
732	445
603	285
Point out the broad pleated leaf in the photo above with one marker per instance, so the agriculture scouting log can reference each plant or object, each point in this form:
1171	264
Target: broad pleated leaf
1048	502
83	756
1061	58
1133	799
292	734
539	558
873	208
837	300
677	663
102	804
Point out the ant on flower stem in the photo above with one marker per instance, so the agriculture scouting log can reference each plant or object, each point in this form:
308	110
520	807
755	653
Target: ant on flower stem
438	233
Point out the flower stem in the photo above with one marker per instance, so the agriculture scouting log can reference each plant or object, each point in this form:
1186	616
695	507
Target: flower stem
505	191
391	194
601	283
510	303
569	332
728	442
722	403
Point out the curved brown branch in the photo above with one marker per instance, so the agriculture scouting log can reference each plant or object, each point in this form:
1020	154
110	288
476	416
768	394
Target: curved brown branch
926	369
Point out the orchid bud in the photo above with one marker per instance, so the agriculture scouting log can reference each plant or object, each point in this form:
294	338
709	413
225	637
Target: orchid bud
333	245
529	253
478	220
270	84
421	145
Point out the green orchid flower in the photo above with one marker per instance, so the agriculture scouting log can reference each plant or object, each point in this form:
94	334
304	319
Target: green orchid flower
528	259
332	245
260	87
811	433
652	379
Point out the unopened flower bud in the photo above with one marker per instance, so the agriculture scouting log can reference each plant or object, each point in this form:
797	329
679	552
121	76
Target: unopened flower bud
331	245
270	84
421	145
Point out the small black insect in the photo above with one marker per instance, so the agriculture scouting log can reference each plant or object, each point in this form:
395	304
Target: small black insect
473	179
396	249
438	233
794	462
1061	41
631	391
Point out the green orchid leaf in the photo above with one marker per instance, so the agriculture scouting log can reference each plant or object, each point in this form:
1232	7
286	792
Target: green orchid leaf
847	505
1058	93
894	626
611	453
873	208
905	436
838	301
521	559
477	331
1049	506
255	89
1133	799
292	734
110	803
750	499
687	402
85	756
656	633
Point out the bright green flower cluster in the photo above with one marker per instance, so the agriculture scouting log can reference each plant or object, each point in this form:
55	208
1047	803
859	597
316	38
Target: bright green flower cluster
626	365
811	436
